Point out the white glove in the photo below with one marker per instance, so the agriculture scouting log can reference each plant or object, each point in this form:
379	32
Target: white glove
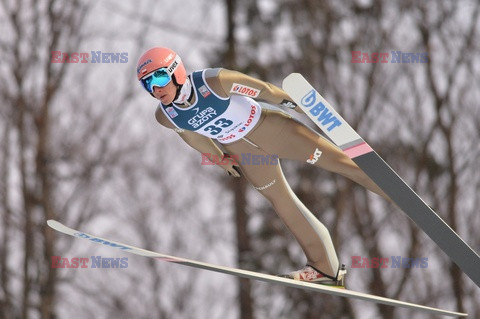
230	164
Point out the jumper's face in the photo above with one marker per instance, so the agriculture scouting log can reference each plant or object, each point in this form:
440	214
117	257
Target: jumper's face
165	94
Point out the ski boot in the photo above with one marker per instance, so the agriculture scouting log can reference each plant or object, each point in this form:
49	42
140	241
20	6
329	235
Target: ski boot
310	274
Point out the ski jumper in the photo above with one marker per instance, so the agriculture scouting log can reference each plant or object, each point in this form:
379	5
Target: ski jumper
222	108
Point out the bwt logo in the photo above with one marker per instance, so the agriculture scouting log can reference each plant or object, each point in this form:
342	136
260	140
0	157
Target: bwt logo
383	57
324	116
93	262
243	159
84	57
393	262
101	241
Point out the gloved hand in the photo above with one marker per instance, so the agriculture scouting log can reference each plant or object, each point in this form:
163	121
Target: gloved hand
230	164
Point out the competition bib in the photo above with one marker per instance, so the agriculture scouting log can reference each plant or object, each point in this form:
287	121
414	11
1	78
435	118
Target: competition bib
224	119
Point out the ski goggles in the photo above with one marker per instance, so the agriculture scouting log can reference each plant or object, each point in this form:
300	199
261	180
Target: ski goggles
160	77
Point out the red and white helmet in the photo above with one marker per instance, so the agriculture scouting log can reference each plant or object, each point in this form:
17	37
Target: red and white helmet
160	57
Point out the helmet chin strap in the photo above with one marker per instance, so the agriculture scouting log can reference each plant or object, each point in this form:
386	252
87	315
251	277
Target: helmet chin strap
184	92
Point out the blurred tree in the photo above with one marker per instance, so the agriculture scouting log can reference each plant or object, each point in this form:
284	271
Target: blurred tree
72	150
65	157
29	85
425	143
227	58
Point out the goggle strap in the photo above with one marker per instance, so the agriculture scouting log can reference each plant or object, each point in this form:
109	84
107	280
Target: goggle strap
174	65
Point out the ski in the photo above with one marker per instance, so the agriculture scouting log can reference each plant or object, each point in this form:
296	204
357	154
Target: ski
250	274
345	137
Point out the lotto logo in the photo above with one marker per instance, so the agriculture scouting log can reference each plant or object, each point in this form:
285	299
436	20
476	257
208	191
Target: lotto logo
244	90
229	137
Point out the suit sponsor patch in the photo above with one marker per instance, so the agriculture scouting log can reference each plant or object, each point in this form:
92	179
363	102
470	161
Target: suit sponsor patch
244	90
171	112
204	91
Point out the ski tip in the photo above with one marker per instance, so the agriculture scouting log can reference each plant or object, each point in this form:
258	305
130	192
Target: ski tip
53	223
291	78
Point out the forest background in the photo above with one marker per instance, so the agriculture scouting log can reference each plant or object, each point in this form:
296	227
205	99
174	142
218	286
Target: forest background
79	143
